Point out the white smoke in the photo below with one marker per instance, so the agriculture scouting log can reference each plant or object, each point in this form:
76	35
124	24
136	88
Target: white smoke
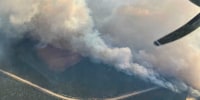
99	34
138	23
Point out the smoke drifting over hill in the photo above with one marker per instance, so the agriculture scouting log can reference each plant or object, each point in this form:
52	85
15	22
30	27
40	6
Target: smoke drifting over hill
114	32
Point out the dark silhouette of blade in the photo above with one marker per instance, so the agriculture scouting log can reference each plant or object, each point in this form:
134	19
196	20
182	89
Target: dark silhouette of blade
197	2
181	32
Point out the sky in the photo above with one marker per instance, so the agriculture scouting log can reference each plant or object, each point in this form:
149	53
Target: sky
115	32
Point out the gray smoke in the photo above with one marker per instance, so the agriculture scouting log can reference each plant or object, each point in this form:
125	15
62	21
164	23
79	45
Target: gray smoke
114	32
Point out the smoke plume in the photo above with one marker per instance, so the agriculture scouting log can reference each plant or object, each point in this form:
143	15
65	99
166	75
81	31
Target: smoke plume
114	32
